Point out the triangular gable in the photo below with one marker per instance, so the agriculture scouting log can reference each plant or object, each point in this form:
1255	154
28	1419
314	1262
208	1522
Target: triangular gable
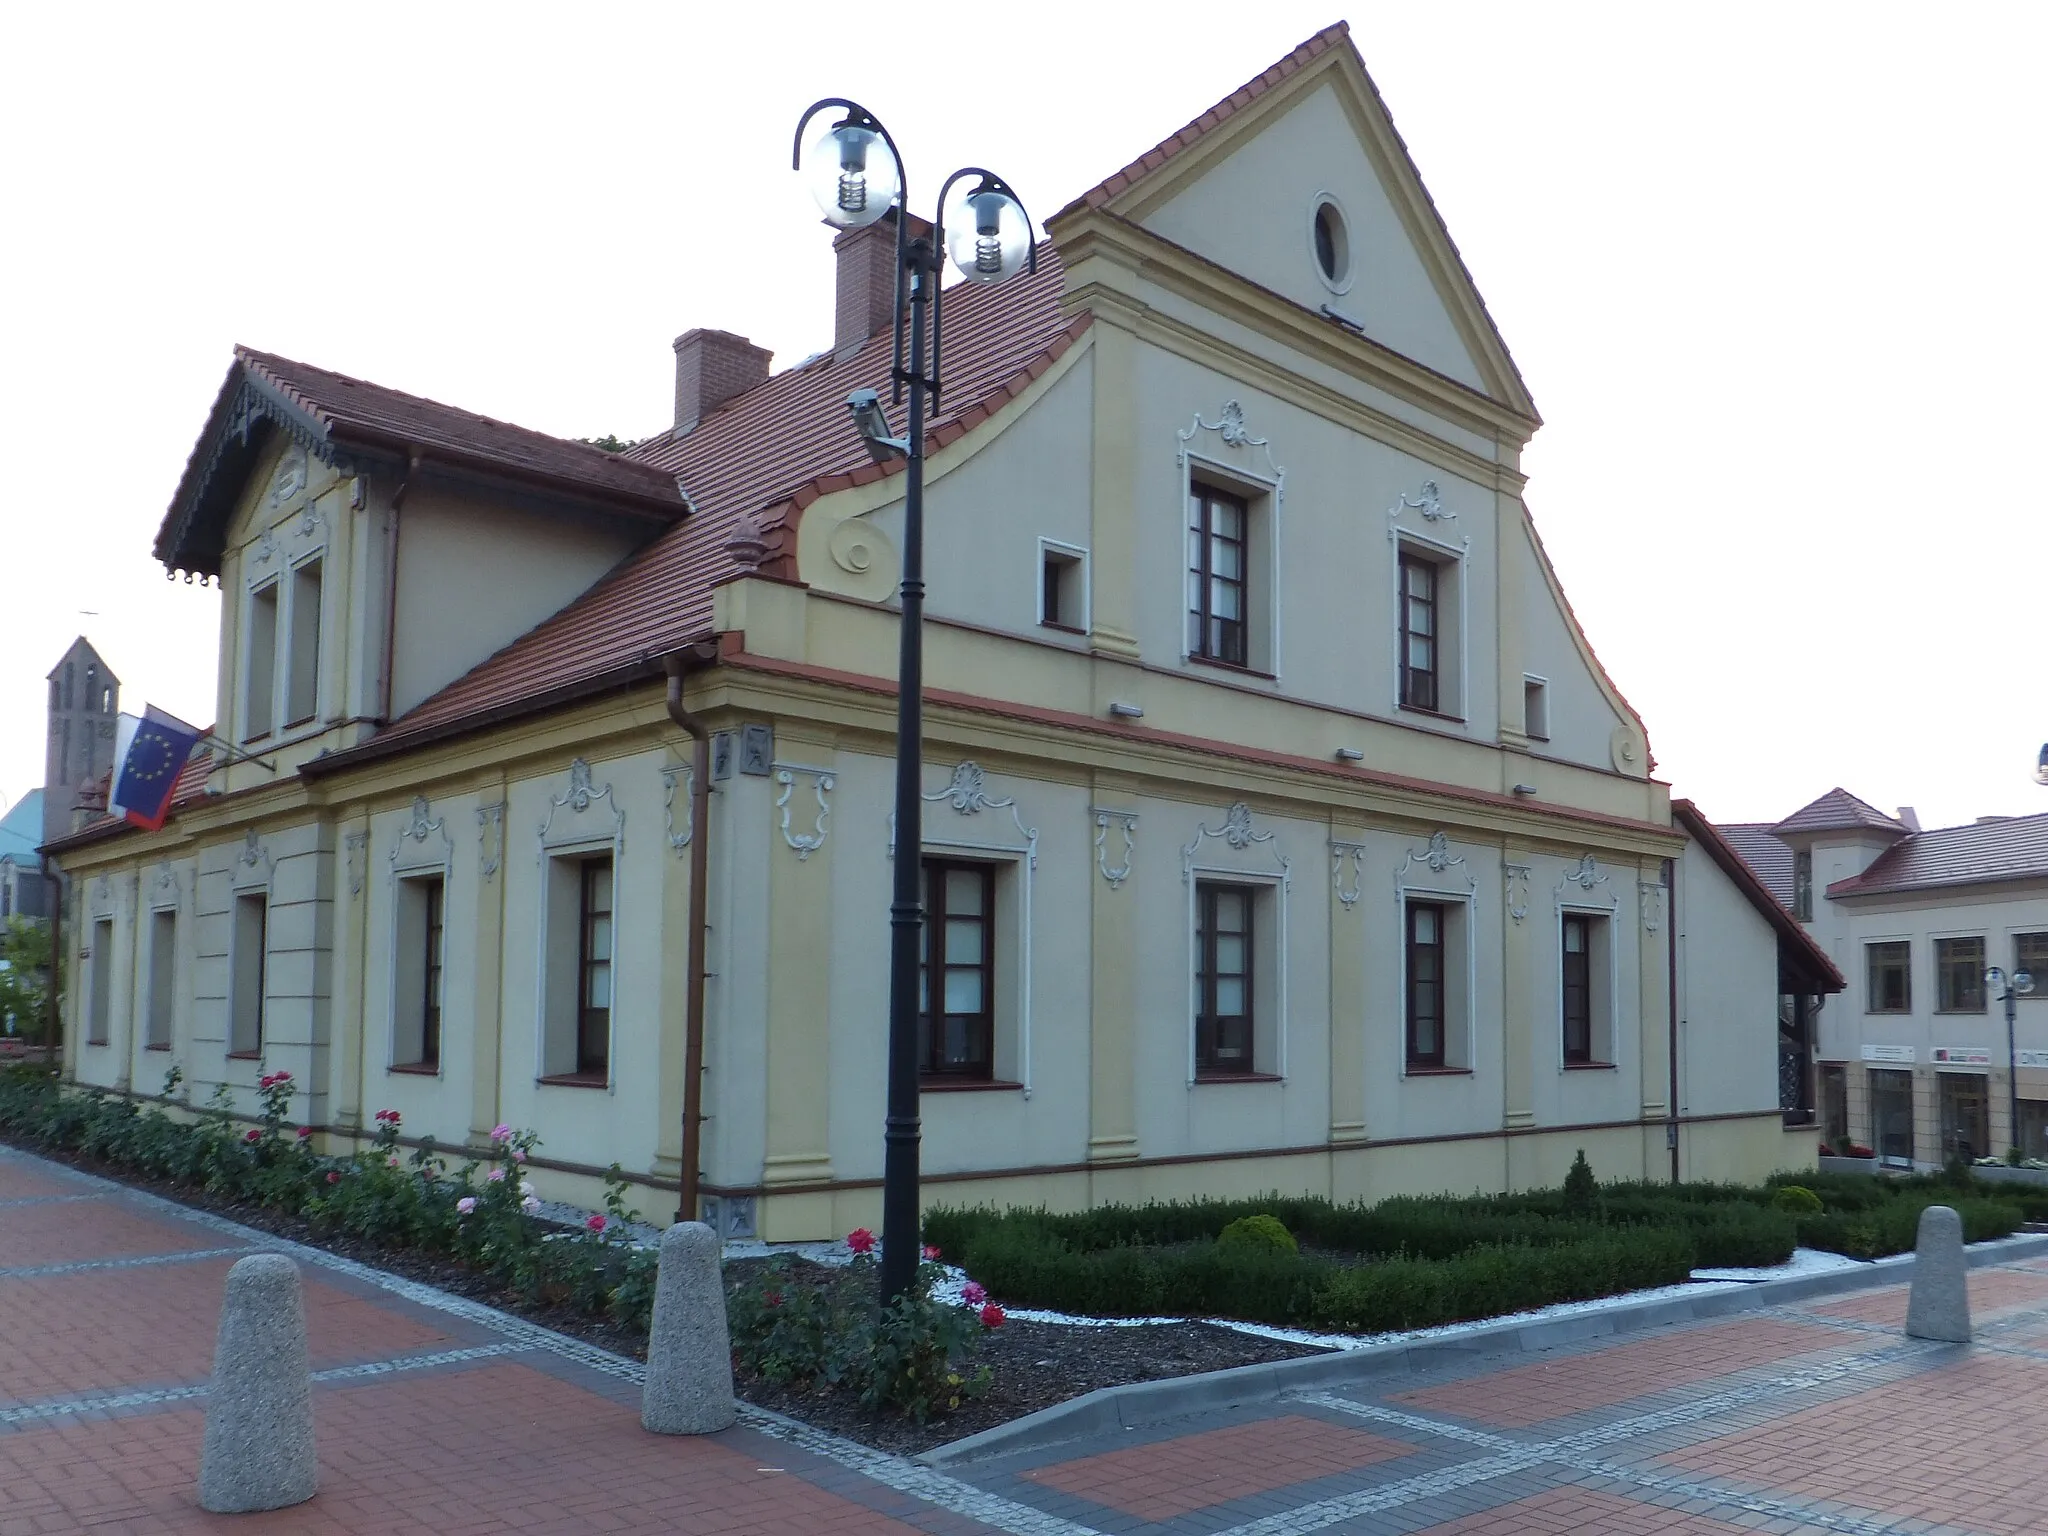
1237	187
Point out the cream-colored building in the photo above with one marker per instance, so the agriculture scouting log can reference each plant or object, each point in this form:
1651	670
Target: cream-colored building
1914	1060
1282	829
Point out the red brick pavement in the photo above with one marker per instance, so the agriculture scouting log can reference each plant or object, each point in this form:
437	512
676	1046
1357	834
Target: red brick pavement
1991	1291
455	1453
19	1181
1551	1389
91	1229
1176	1477
1583	1512
85	1332
1957	1445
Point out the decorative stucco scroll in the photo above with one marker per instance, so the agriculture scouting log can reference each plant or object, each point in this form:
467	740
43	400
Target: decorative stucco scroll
1125	822
786	774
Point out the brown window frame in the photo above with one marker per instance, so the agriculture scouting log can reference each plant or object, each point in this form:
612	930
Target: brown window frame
1959	984
1216	1055
1421	687
932	1064
1802	885
1577	967
1205	639
2036	968
1413	982
1899	951
593	1024
433	939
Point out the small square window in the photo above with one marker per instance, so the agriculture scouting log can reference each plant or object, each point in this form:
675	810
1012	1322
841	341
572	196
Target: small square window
1062	587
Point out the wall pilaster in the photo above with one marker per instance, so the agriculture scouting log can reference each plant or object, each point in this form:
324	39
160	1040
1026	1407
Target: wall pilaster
797	943
488	1023
1112	946
1348	1000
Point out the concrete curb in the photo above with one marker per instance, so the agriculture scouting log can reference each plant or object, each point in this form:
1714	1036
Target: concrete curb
1147	1402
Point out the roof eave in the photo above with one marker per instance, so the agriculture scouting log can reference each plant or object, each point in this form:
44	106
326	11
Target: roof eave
1732	864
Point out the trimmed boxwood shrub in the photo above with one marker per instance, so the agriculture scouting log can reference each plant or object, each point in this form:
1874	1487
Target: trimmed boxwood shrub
1259	1231
1797	1199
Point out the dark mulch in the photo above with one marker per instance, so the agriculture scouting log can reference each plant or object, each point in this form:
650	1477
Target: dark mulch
1034	1365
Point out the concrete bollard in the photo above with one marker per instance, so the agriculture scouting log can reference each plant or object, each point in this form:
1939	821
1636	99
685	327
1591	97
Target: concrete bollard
1940	1304
258	1452
689	1354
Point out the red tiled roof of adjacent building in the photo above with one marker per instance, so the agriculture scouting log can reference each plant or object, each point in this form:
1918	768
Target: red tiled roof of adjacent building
1996	849
1769	859
1839	811
766	454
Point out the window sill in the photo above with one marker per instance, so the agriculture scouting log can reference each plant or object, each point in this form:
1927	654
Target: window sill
1233	668
1065	629
417	1068
576	1080
245	1055
293	725
256	740
967	1085
97	1044
1887	1013
165	1046
1414	1071
1960	1013
1202	1078
1589	1066
1432	714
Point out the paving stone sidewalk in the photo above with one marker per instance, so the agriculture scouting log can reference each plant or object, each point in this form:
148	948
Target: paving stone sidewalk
438	1415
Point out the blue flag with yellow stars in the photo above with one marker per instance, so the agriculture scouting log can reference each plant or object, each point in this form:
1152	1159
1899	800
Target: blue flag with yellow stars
149	754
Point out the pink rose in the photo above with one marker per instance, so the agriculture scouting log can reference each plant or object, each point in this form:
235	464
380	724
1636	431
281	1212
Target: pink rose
305	1132
518	1154
931	1252
497	1175
391	1162
501	1133
252	1135
595	1223
333	1178
991	1316
529	1205
973	1294
861	1240
465	1205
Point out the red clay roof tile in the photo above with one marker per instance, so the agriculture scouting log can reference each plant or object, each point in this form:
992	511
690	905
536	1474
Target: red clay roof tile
1838	811
2005	848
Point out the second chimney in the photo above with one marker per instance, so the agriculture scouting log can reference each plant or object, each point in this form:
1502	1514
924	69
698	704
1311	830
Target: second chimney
867	281
711	368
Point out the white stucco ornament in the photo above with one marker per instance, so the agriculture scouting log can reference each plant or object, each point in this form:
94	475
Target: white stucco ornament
804	844
1126	822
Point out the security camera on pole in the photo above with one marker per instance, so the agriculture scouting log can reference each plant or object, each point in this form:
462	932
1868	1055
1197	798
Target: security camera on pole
2009	990
857	178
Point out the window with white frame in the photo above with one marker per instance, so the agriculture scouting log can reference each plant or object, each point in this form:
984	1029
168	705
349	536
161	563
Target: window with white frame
248	941
302	669
577	970
956	1025
259	678
99	1003
281	676
1586	988
1535	708
1062	586
1230	600
1430	629
417	965
1436	988
1238	979
163	969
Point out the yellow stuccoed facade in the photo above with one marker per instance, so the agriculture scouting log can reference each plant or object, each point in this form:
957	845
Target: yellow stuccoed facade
1209	361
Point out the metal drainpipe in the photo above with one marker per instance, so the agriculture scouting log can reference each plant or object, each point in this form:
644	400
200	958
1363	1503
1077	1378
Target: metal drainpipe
388	661
1671	940
676	663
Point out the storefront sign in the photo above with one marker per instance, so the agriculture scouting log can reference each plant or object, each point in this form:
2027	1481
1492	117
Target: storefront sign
1960	1056
2033	1058
1888	1053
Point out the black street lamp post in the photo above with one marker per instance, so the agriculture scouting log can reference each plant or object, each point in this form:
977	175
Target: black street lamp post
858	179
2009	989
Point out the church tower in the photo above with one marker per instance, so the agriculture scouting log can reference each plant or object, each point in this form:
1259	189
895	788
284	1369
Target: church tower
85	698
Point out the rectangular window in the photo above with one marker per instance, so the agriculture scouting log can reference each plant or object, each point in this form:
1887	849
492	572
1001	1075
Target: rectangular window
1834	1107
260	682
416	1020
594	971
163	971
1891	1116
1802	885
1419	633
1223	980
2034	1128
1891	977
956	1033
1535	709
247	963
1965	1115
1218	553
1578	988
1062	587
1959	975
101	1002
2030	954
1426	985
302	683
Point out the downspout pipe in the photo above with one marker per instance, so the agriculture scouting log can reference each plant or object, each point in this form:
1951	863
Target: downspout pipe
388	661
677	664
1671	942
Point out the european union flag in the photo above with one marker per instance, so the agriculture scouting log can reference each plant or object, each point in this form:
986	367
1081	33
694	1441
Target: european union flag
149	754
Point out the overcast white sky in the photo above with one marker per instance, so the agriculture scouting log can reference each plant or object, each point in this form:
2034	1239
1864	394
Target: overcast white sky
1773	272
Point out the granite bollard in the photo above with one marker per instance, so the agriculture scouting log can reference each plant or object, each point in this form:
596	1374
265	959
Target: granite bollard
688	1389
1939	1307
258	1451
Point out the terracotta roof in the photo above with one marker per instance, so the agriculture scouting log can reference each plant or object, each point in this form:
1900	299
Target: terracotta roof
2008	848
769	453
347	420
1795	944
1115	185
1769	860
191	785
1838	811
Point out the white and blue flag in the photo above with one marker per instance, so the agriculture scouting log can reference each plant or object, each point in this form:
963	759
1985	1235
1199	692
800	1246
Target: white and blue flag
149	754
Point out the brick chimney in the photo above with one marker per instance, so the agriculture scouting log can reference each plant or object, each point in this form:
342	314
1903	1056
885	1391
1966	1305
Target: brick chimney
867	281
711	368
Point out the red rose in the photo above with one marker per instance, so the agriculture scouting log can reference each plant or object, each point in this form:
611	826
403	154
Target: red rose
252	1135
931	1253
595	1223
333	1178
861	1240
991	1316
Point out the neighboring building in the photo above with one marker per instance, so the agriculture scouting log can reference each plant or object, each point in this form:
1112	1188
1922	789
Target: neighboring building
1913	1059
1374	900
21	867
78	752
